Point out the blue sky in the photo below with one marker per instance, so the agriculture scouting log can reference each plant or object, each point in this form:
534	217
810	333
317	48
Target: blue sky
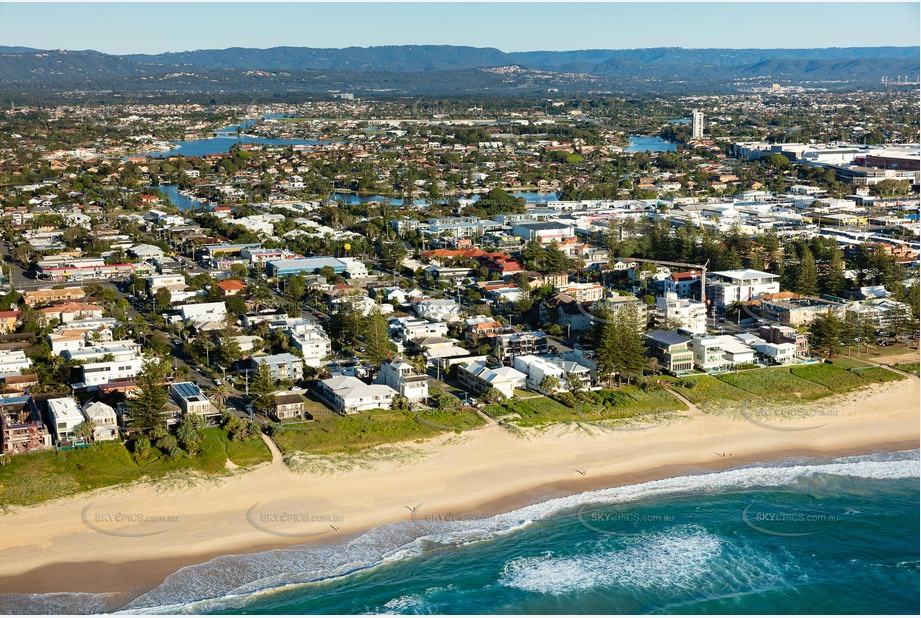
154	28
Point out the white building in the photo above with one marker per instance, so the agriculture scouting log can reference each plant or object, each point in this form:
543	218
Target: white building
436	309
780	353
350	395
673	312
14	362
402	377
734	351
536	369
65	416
708	353
582	292
410	329
190	399
312	341
201	313
113	362
726	287
479	378
697	125
104	419
283	366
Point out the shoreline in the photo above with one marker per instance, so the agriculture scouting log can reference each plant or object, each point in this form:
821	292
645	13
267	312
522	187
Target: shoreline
48	548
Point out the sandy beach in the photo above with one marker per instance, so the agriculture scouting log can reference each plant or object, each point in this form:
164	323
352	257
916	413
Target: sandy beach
125	540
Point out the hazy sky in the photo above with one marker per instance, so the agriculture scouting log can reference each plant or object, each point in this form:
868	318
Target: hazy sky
160	27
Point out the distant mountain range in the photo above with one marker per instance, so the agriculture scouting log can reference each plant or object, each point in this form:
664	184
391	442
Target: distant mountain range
449	70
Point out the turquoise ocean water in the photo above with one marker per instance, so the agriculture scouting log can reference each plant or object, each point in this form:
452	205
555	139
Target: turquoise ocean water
799	536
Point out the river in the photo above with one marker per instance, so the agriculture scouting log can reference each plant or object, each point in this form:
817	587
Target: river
650	143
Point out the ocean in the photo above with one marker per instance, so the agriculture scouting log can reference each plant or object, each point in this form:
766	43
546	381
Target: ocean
829	536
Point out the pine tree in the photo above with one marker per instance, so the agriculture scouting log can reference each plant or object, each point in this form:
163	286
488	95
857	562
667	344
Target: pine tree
377	340
262	389
228	350
807	282
148	408
825	334
607	350
834	282
630	350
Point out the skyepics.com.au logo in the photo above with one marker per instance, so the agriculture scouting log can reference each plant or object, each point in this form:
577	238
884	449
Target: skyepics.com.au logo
113	522
788	518
774	418
293	519
608	521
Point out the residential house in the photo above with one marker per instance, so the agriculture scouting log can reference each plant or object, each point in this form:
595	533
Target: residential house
8	321
201	313
479	378
71	311
65	417
21	427
728	286
231	287
349	395
708	353
191	400
785	334
537	369
14	362
401	376
35	298
671	350
735	351
103	418
287	367
290	405
582	292
312	341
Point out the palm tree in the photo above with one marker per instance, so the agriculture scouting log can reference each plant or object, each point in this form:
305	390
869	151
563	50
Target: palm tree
219	394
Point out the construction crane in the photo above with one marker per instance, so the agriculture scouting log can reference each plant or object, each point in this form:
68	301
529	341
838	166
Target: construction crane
701	267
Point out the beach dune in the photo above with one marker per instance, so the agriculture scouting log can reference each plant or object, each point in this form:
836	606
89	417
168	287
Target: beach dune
125	540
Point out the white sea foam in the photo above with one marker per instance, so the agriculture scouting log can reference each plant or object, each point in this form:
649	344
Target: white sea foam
233	581
676	559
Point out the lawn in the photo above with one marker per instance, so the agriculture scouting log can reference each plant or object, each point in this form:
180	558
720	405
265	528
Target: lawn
330	432
706	389
833	378
909	367
625	402
776	384
36	477
849	362
878	374
782	384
